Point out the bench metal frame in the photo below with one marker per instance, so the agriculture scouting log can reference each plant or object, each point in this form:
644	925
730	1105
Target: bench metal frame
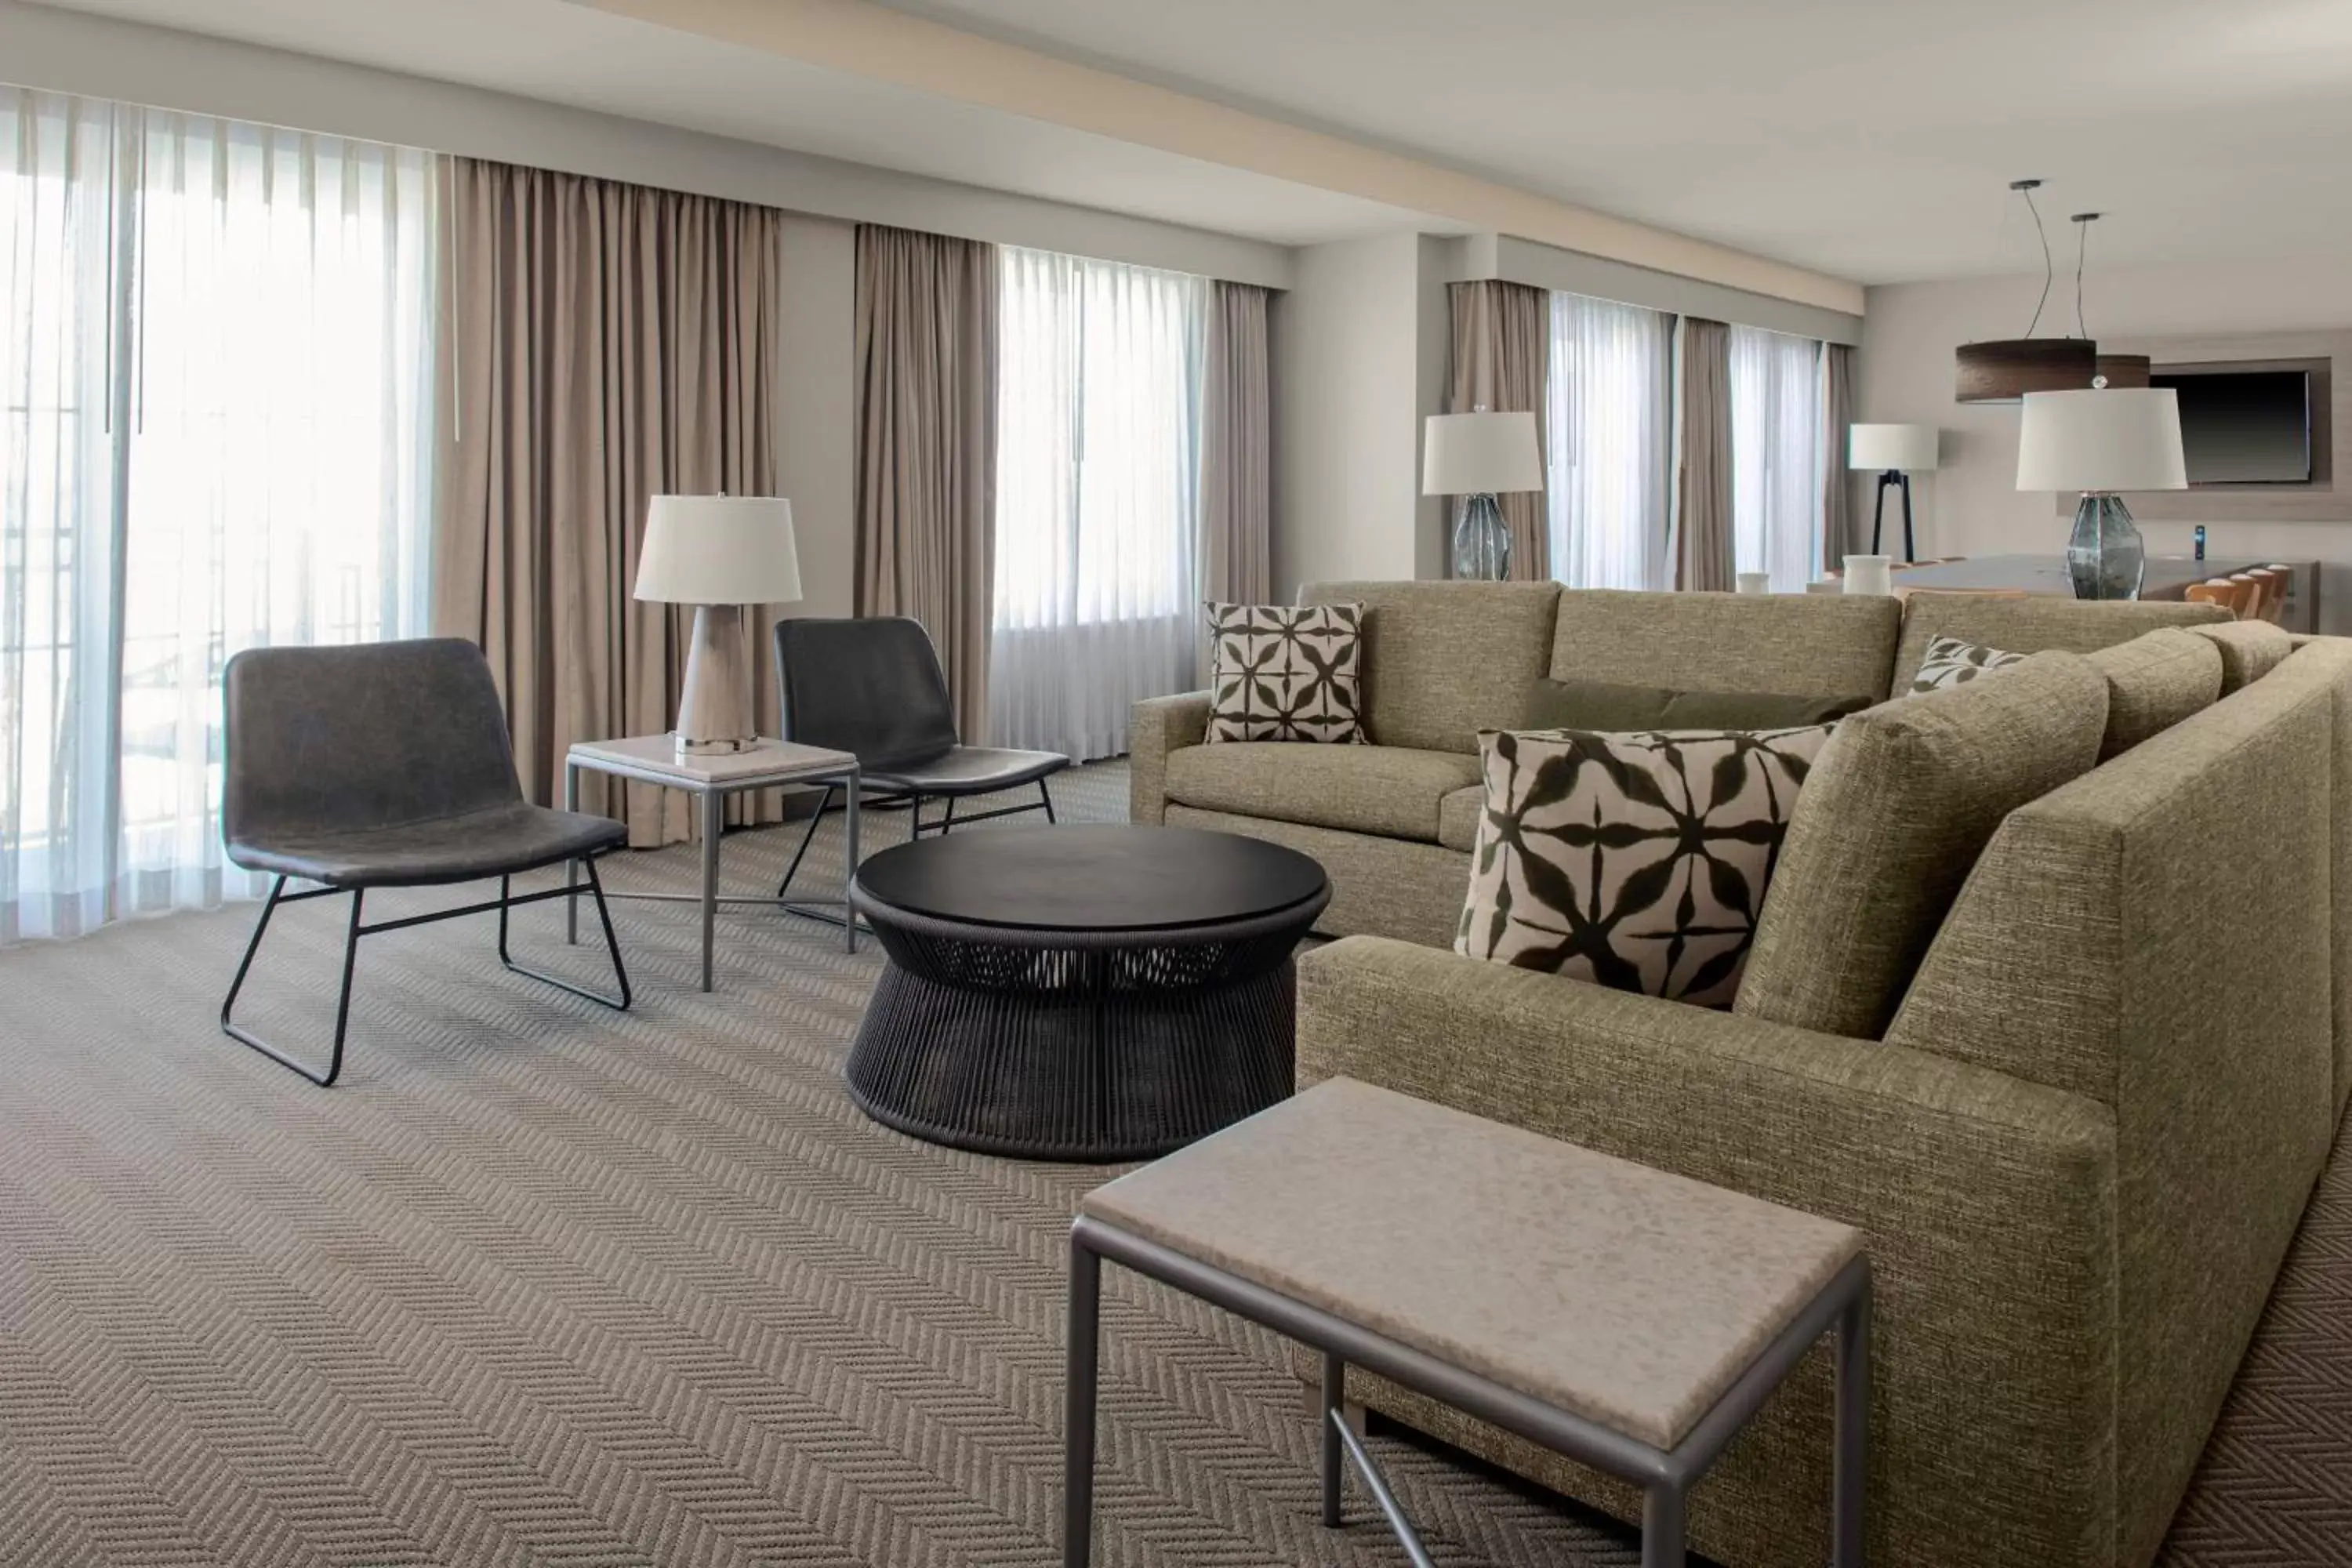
1666	1475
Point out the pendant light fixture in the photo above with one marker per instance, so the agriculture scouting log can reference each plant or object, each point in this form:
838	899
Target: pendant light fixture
2005	370
2111	370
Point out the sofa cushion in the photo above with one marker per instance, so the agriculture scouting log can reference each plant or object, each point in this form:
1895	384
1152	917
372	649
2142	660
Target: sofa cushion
2034	624
1635	861
1388	790
1444	660
2249	650
1949	661
1458	816
1614	706
1829	643
2154	683
1897	808
1281	674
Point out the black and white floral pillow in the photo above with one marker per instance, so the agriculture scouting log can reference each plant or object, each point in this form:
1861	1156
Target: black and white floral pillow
1637	861
1279	672
1950	661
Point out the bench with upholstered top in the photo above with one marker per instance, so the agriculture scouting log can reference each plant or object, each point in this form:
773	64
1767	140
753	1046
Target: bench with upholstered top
1625	1317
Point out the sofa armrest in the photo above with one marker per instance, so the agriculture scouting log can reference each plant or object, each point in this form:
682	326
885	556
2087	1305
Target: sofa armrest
1155	727
1989	1203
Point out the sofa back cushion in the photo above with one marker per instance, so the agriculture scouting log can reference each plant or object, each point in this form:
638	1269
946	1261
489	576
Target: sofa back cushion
2249	650
1444	660
1901	801
1618	707
2033	624
2154	683
1825	644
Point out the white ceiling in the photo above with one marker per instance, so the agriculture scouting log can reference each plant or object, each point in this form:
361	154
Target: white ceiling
1867	139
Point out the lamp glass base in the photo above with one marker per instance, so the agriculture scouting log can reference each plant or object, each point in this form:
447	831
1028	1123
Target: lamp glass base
1482	541
2106	556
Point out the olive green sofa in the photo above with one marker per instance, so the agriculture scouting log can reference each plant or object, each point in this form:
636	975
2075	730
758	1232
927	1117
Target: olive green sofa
2080	1139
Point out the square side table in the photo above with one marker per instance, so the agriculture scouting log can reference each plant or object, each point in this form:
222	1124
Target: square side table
711	777
1628	1317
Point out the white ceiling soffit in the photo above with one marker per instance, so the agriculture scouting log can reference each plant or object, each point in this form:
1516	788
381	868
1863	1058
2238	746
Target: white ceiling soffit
864	39
557	52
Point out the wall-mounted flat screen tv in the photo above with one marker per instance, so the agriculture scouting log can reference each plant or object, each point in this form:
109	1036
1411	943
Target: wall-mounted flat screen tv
2244	427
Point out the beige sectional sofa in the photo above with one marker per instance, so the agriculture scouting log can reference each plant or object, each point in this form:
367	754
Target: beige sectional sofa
2081	1145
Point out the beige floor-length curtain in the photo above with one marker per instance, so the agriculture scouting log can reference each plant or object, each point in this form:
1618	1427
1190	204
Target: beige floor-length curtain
1837	489
1502	339
608	342
927	357
1704	552
1236	452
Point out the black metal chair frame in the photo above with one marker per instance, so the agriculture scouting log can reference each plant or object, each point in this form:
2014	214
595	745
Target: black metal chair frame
911	801
505	902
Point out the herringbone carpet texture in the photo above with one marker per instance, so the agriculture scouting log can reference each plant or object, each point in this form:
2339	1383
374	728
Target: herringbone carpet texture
542	1283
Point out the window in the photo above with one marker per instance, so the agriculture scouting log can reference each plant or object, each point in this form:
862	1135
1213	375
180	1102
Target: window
1610	440
216	348
1775	456
1097	506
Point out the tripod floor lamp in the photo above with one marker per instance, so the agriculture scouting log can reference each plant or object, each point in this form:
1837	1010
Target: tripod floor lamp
1896	452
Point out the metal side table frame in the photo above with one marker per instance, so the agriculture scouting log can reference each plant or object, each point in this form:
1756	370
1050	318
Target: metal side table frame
1666	1476
710	779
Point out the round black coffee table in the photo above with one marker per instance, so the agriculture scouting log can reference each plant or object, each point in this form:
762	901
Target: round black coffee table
1095	993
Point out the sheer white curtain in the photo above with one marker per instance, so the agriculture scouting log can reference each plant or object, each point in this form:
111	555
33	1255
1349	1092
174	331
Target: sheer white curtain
1097	498
1611	443
215	376
1775	456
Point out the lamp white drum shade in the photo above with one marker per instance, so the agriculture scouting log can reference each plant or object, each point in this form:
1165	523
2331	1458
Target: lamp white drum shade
2102	439
718	550
1892	448
1480	454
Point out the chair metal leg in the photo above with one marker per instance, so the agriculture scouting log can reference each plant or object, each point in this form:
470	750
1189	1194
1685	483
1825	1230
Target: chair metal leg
612	945
807	838
243	1036
1047	796
947	823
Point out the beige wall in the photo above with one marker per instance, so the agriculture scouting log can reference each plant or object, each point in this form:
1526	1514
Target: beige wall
1359	349
1971	506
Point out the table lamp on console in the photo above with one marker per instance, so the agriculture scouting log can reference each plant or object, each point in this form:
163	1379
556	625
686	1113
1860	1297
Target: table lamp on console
718	553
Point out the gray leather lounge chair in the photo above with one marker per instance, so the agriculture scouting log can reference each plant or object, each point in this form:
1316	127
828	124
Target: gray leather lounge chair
386	765
874	687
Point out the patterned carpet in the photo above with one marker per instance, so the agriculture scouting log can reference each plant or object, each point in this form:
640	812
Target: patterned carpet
541	1283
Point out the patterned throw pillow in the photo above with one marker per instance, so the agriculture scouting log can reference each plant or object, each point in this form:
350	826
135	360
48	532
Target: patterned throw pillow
1285	673
1952	662
1637	861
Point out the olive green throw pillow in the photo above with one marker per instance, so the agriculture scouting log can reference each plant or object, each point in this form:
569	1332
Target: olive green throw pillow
1898	806
1615	708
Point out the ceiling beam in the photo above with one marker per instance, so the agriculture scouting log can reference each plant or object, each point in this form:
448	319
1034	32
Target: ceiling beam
862	39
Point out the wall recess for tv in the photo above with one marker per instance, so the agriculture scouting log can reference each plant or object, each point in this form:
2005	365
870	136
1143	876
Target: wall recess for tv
2319	499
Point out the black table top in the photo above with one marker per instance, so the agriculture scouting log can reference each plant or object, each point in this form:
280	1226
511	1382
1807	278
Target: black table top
1092	879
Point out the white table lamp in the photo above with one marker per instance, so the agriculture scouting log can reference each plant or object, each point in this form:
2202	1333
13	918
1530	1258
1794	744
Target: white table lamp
1477	456
2097	442
1895	453
718	554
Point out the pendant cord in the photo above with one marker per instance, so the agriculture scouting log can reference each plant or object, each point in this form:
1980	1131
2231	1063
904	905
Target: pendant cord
2082	247
2048	266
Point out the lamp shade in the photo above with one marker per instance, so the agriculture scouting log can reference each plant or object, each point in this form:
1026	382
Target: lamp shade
2109	438
718	550
1480	454
1879	448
